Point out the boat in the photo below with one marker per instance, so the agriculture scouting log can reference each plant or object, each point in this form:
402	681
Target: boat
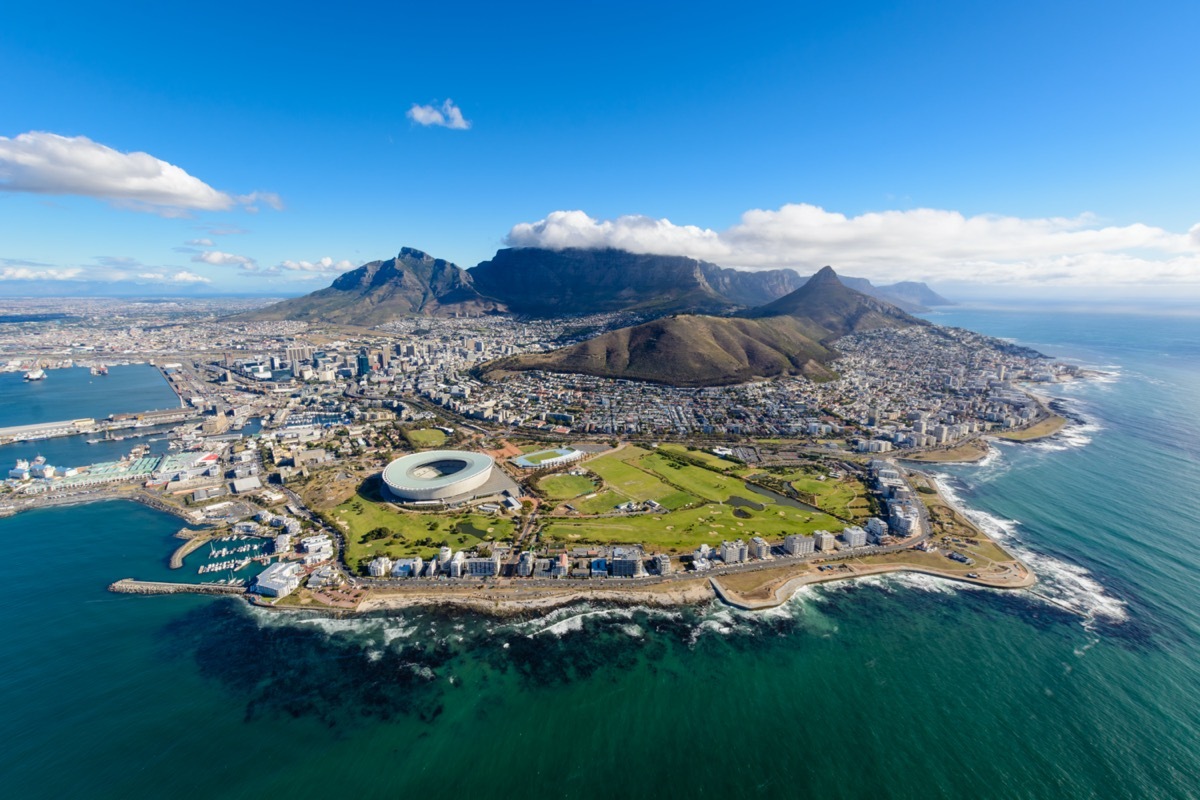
35	374
101	370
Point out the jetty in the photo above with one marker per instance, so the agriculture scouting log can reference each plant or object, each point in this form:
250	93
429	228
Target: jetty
134	586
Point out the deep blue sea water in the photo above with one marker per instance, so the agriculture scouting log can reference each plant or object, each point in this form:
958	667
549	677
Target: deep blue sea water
1088	686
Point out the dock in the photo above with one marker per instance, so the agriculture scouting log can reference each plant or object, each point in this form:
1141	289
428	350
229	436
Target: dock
134	586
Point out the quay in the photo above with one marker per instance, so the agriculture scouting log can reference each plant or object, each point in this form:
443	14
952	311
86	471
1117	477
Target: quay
116	422
134	586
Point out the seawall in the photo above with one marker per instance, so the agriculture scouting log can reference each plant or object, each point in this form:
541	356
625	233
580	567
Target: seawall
134	586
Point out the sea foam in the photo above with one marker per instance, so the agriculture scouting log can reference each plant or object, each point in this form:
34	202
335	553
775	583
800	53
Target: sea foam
1065	585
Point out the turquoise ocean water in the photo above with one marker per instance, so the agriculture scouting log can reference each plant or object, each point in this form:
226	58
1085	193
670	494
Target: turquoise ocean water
1089	686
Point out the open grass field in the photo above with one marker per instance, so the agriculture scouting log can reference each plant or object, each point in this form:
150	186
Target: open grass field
622	475
1040	430
973	450
564	487
425	438
695	480
407	530
716	462
602	503
684	530
843	498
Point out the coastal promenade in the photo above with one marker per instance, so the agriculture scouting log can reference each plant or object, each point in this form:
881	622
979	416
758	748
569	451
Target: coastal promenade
1018	576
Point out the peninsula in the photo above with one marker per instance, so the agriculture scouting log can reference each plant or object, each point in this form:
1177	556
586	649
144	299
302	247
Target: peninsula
404	438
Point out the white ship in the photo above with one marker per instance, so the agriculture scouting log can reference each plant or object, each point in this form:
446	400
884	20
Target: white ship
35	374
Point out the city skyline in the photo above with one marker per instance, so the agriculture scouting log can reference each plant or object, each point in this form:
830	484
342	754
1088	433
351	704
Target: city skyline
1036	151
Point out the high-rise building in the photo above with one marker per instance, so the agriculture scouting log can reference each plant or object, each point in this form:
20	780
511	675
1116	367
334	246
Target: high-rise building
798	545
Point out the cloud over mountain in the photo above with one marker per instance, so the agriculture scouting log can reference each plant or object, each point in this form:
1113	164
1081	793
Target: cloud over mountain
918	244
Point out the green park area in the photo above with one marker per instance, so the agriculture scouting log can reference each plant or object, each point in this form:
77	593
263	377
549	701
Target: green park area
372	528
703	506
565	487
845	498
703	456
623	475
425	438
684	530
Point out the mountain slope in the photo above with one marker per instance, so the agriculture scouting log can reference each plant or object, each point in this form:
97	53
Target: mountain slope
791	336
412	283
688	350
831	307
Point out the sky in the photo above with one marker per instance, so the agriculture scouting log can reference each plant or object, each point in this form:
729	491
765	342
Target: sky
1022	148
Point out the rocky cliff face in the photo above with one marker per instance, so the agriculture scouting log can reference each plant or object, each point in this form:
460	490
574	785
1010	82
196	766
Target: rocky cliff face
573	281
412	283
751	288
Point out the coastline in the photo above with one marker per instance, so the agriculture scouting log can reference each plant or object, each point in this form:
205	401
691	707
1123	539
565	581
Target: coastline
768	587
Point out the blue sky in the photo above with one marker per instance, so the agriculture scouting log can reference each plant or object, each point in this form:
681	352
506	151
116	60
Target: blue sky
1041	146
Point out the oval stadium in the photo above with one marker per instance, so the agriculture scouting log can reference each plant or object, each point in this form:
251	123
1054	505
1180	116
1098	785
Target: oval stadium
436	475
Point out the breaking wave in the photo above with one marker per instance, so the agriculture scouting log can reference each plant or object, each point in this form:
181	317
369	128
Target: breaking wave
1065	585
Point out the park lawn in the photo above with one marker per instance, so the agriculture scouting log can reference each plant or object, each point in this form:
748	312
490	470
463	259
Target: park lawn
836	497
695	480
564	487
714	461
426	437
1039	430
636	484
602	503
460	531
683	531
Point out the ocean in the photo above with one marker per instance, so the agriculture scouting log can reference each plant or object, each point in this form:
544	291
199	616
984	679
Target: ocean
906	687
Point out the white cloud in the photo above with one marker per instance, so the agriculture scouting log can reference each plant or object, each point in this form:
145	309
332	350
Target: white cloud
199	242
181	277
324	265
47	163
220	259
920	244
266	198
27	274
447	115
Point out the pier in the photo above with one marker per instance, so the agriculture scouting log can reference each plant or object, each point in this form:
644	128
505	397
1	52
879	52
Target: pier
134	586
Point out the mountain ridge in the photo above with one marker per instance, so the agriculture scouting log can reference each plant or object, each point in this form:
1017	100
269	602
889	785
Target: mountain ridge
542	282
791	336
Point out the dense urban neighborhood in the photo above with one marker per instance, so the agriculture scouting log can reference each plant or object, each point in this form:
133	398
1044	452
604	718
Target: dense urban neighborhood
283	430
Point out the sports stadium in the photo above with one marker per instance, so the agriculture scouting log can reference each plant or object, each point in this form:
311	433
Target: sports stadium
446	476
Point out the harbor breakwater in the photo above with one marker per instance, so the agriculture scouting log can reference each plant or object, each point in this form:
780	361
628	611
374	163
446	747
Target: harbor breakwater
134	586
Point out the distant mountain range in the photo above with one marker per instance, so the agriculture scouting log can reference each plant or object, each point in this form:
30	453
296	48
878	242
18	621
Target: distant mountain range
541	282
790	336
